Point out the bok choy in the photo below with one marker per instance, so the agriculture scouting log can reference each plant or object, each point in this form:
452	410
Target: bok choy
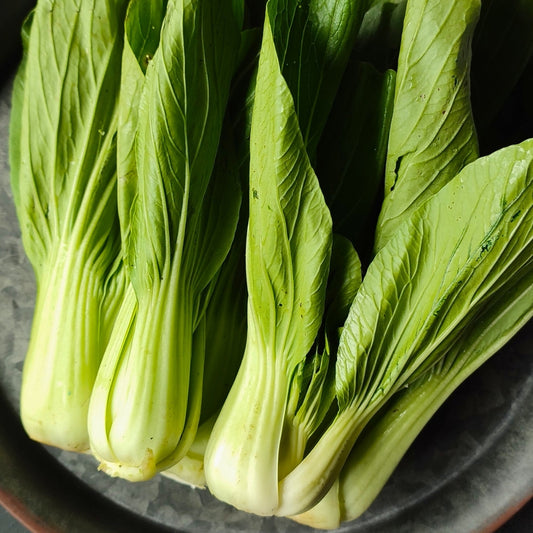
63	176
179	227
432	133
287	263
270	238
422	330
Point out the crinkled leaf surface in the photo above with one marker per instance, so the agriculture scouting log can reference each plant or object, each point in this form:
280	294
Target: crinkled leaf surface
17	102
178	133
432	133
393	429
390	433
142	32
438	268
65	174
289	237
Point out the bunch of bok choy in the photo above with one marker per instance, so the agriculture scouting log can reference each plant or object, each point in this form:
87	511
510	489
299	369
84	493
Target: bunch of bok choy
270	238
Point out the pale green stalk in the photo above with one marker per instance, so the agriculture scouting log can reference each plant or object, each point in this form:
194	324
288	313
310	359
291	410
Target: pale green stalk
285	304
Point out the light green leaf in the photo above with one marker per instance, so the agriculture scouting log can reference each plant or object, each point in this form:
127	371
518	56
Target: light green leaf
17	102
432	133
312	388
142	31
374	458
71	147
178	133
390	432
438	271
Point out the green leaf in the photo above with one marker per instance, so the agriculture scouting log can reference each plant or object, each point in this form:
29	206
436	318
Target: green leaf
352	152
437	271
142	32
391	432
17	102
68	180
175	154
432	133
312	388
314	39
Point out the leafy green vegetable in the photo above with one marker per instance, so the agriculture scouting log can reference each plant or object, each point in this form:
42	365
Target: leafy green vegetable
225	313
63	145
179	230
265	245
288	251
286	264
379	450
392	430
412	305
313	40
141	40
